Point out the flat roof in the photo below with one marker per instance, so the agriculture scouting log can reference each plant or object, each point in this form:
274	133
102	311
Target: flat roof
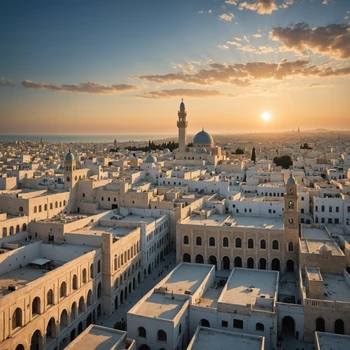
97	337
314	232
331	341
209	338
138	218
336	287
209	298
99	230
245	286
312	246
186	276
236	221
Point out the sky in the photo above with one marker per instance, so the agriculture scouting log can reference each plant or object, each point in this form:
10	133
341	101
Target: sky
123	66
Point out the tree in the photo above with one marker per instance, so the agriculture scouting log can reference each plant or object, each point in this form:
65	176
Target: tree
239	151
284	161
253	155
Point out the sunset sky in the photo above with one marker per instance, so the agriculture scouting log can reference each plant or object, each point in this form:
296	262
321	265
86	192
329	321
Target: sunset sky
122	66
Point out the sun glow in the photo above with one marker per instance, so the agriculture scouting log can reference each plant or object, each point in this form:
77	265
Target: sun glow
266	116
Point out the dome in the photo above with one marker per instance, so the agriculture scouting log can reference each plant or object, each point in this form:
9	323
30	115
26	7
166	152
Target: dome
201	150
291	180
69	156
166	150
324	248
203	138
151	159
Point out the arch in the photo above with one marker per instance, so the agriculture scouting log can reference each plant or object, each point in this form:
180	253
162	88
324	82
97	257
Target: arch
99	310
17	229
139	277
186	240
81	305
130	288
288	325
40	208
99	266
122	297
73	312
84	276
226	263
75	282
203	322
45	207
20	347
275	264
290	265
17	318
250	263
11	230
161	335
142	332
186	257
238	261
198	240
211	242
20	208
63	289
250	243
36	306
116	302
339	327
51	328
99	291
24	227
320	325
63	320
49	300
262	264
4	231
36	342
291	205
199	259
290	246
275	244
144	347
80	327
212	261
263	244
89	297
259	327
35	209
92	271
225	242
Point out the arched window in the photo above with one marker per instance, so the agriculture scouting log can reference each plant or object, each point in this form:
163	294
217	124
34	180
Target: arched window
24	227
142	332
262	244
11	230
290	246
186	240
51	206
99	291
339	327
99	266
92	271
35	209
81	305
320	325
36	306
291	205
275	244
50	297
17	318
89	297
75	282
161	335
211	242
225	242
56	204
198	240
63	289
84	275
250	243
40	209
238	243
186	257
259	327
17	229
21	208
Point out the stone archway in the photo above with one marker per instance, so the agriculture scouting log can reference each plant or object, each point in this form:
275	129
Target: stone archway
226	263
288	325
275	264
238	261
290	265
212	261
199	259
36	342
262	264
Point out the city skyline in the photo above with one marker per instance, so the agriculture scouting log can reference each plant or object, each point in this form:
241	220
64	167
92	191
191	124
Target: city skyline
123	67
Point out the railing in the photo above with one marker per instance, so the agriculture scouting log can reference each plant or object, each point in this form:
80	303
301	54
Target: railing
328	304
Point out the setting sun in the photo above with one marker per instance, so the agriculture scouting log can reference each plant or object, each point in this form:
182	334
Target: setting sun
266	116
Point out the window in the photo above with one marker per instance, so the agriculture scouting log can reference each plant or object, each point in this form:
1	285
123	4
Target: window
237	324
275	245
17	318
142	332
322	208
161	336
211	242
238	243
99	266
84	275
259	327
330	220
92	271
330	209
290	246
63	290
75	282
316	208
50	297
337	209
198	240
262	244
224	324
250	243
225	242
186	240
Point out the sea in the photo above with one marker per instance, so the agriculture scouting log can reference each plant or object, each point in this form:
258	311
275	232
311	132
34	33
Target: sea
84	138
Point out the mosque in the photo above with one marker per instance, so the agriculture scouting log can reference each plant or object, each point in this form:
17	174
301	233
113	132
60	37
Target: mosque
203	152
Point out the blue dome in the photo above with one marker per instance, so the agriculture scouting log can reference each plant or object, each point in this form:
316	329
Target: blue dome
69	156
291	180
203	138
201	150
151	159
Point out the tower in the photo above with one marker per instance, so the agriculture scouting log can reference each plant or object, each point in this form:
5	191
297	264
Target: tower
70	167
291	224
182	125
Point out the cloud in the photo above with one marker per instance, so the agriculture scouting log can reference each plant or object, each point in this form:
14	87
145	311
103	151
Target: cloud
243	75
227	16
257	35
262	7
200	12
286	4
6	82
333	39
233	43
198	93
210	11
231	2
82	88
223	47
325	2
260	50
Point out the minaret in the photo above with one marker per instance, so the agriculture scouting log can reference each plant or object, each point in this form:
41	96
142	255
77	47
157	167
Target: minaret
70	167
182	125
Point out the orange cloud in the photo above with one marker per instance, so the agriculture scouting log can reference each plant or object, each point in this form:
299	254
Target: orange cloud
199	93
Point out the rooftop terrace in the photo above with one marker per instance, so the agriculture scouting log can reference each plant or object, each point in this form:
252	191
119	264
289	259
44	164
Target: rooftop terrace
330	341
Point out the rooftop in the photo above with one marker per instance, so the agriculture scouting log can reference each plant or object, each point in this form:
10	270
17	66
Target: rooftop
336	288
331	341
314	232
208	339
99	230
312	246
